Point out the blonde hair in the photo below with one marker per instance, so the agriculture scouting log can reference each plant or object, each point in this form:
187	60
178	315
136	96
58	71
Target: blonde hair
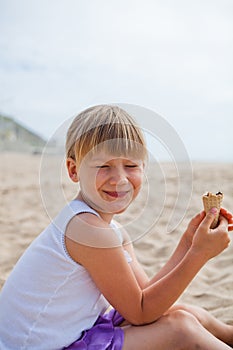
98	124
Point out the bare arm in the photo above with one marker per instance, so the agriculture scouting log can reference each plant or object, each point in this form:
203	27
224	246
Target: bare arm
178	254
118	282
185	244
181	249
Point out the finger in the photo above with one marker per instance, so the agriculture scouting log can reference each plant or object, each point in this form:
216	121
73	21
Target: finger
209	218
223	222
226	213
224	210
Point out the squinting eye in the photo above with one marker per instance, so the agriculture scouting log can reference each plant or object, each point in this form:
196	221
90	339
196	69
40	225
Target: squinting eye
101	166
132	166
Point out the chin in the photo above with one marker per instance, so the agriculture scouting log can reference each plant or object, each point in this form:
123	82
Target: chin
118	209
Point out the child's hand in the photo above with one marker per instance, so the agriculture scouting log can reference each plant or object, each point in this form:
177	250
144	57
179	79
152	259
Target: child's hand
196	220
211	242
192	227
229	218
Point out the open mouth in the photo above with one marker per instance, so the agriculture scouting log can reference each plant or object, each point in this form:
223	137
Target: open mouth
115	194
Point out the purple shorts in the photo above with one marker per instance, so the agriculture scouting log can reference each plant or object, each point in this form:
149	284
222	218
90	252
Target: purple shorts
104	335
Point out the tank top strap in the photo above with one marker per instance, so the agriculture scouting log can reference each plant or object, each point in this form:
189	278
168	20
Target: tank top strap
117	230
77	207
69	211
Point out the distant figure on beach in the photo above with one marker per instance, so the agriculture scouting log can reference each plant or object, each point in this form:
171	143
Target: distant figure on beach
79	284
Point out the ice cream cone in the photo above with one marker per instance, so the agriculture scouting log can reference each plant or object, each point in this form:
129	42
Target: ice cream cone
211	200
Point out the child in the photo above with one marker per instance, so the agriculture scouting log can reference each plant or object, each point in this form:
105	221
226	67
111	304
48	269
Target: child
58	294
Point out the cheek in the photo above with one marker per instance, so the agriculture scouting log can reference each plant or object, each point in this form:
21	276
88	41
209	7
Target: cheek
137	180
99	178
87	179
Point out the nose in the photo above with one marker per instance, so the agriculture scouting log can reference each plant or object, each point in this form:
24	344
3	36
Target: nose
118	177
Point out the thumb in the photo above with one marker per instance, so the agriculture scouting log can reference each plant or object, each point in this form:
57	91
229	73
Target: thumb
209	218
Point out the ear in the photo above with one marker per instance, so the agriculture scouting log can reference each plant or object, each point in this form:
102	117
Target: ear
72	169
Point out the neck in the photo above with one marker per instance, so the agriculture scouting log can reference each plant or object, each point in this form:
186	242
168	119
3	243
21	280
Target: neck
107	217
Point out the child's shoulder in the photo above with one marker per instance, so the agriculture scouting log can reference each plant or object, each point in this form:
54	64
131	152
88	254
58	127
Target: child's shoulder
90	218
92	230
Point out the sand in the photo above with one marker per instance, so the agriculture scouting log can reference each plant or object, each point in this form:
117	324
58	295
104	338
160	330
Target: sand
23	217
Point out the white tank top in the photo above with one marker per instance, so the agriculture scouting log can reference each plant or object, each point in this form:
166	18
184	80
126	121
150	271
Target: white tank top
49	299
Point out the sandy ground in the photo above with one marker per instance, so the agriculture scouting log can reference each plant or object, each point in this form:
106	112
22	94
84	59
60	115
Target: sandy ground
30	196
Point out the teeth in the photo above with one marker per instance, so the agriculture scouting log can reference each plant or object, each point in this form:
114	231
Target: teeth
211	200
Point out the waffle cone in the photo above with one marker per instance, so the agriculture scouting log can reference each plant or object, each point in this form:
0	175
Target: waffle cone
211	200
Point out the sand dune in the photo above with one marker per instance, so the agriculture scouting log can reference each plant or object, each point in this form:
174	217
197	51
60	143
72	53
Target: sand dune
23	217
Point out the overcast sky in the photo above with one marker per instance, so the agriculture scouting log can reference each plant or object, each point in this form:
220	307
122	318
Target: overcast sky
174	57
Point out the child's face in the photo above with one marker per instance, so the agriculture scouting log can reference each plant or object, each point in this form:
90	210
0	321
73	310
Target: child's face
109	184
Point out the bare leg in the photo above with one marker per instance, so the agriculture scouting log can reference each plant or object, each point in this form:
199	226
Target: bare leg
219	329
178	330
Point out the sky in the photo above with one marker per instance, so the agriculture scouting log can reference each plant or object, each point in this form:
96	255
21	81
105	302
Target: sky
58	57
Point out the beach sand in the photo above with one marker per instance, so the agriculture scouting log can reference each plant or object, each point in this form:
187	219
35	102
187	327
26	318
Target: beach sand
23	216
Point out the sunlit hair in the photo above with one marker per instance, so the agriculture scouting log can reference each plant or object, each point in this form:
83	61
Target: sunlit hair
94	126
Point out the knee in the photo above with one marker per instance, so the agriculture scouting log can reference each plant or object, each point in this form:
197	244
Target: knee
183	325
182	318
199	313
